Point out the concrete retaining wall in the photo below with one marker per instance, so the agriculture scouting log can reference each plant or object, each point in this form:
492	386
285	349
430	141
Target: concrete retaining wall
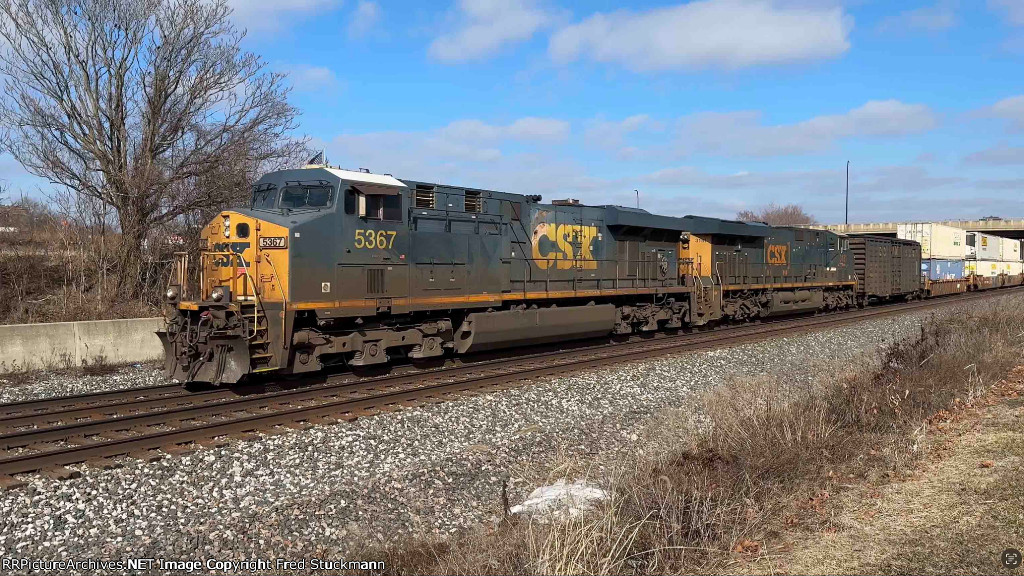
68	344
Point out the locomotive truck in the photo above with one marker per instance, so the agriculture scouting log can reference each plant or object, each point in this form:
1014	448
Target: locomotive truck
329	267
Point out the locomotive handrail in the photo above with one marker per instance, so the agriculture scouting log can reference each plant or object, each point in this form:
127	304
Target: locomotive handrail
284	297
234	275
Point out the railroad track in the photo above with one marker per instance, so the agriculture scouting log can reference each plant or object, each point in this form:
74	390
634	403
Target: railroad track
47	436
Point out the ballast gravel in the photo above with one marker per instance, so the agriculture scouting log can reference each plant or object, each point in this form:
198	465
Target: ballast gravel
332	490
38	385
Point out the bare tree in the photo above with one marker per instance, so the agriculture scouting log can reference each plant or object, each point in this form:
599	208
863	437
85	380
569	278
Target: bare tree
144	105
775	215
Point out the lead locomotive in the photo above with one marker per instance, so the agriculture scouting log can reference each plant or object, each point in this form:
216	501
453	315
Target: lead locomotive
331	266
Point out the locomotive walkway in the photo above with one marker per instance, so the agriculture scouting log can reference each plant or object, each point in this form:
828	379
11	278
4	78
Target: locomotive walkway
47	436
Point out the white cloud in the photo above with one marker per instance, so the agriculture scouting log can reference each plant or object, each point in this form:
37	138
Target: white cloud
270	15
364	18
486	26
544	129
611	135
461	147
904	179
707	34
690	176
1012	9
743	133
1010	109
940	16
998	156
529	129
311	78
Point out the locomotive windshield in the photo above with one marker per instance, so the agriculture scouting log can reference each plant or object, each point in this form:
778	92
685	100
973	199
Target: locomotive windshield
299	196
264	196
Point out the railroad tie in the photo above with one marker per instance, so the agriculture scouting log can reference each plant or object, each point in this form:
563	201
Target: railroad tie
178	449
147	455
81	441
60	473
103	463
12	483
212	442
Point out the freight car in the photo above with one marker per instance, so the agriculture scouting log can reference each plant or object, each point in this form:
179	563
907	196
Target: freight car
334	267
886	268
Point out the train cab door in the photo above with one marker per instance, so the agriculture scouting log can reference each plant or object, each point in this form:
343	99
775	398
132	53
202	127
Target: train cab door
376	247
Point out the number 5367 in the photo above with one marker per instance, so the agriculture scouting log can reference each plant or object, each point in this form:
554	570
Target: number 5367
375	238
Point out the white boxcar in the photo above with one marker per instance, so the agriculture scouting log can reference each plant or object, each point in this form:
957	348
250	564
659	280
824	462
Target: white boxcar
1009	250
981	246
936	240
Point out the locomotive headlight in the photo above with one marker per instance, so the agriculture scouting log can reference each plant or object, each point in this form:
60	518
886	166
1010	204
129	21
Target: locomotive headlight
172	293
227	226
217	294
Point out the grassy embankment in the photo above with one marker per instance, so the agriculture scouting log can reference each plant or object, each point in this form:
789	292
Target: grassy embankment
878	469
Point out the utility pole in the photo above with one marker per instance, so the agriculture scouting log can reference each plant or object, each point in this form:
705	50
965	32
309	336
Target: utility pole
637	197
847	192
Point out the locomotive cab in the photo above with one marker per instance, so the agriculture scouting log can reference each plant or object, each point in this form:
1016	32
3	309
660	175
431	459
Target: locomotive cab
230	299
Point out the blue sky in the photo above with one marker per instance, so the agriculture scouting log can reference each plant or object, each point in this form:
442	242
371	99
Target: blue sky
707	107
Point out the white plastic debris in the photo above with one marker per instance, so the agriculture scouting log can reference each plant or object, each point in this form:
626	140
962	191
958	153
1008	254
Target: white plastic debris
561	497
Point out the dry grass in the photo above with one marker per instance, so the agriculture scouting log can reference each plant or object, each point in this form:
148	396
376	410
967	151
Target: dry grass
713	484
59	267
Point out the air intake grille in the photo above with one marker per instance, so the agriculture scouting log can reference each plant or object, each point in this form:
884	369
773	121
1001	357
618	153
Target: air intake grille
473	202
424	197
375	281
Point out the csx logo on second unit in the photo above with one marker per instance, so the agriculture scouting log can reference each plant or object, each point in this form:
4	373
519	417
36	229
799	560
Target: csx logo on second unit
778	254
564	246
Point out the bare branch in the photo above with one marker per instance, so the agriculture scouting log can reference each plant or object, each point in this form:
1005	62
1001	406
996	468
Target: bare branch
148	106
775	215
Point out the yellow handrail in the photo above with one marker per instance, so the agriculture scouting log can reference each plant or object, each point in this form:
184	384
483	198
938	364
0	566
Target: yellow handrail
252	282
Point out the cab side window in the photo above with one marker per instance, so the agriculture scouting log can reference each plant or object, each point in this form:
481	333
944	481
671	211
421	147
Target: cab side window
392	208
387	207
350	201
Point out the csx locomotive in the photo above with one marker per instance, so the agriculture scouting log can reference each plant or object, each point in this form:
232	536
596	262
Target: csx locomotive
335	267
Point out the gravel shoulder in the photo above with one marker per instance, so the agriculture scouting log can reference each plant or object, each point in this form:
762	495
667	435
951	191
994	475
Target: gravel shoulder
49	384
431	470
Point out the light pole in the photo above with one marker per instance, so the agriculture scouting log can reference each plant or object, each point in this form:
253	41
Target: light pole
637	197
847	192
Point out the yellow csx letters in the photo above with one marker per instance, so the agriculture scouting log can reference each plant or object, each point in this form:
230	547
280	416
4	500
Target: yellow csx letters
568	246
778	254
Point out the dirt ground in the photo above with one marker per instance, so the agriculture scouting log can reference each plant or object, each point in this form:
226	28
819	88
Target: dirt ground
954	513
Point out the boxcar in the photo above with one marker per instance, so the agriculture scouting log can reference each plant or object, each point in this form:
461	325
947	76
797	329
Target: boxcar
886	268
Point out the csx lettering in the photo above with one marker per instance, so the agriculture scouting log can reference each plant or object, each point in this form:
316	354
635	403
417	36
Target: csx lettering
778	254
565	246
383	239
224	260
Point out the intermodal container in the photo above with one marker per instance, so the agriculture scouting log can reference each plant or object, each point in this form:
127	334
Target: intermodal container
1009	250
1014	268
936	240
941	269
984	268
982	246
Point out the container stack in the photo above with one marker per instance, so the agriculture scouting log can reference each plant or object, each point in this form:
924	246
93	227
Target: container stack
949	253
943	248
1010	256
989	255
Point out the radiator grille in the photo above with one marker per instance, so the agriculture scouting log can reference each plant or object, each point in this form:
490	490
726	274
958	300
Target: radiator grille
375	281
473	202
424	197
